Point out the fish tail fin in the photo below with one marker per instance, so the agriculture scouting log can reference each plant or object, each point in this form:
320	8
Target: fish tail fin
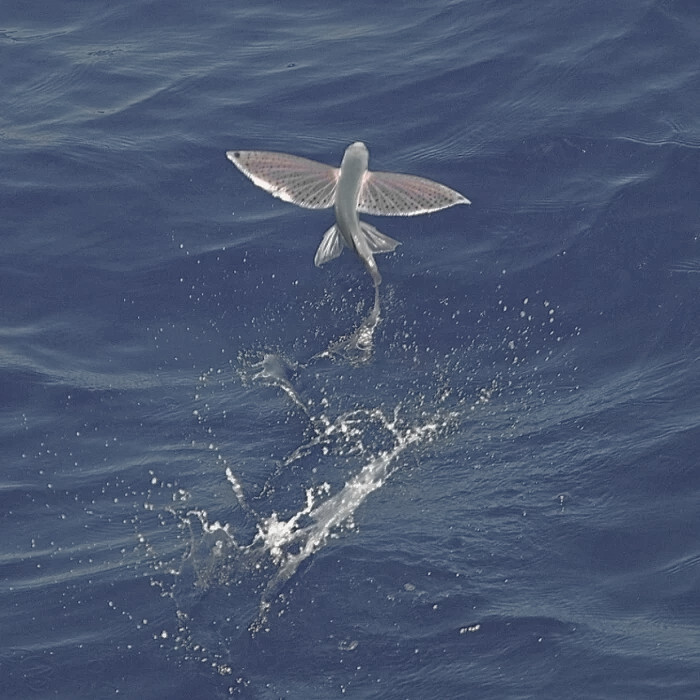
373	270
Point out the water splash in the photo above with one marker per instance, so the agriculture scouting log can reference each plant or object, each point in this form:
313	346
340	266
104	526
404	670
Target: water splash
281	543
231	570
290	543
358	347
340	463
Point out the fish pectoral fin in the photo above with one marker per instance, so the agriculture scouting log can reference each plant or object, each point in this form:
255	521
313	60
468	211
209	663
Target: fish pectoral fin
331	246
378	242
301	181
395	194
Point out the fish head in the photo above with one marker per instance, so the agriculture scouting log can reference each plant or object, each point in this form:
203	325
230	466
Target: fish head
357	152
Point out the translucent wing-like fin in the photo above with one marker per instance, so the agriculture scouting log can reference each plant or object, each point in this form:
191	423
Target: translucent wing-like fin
378	242
298	180
394	194
331	246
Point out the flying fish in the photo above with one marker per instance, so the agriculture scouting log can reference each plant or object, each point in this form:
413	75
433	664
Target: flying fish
352	190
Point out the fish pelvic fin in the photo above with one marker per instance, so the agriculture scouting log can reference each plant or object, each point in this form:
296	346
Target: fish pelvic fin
331	246
378	242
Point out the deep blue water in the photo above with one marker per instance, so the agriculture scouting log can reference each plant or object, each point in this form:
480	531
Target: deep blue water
502	501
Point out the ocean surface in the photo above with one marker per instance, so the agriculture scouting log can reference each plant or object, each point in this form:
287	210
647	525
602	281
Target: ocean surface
210	489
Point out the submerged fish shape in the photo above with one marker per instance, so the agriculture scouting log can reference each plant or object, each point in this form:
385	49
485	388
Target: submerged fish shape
351	189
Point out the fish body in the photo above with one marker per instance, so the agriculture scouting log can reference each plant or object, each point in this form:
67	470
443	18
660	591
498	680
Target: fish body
351	189
347	217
